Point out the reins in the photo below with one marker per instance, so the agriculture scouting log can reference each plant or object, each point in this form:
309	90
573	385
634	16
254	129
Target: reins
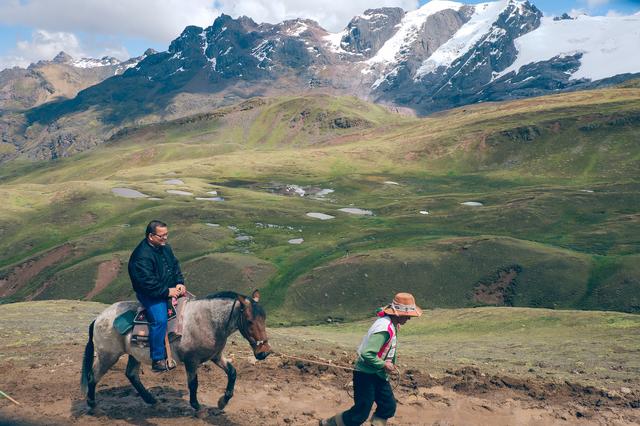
231	314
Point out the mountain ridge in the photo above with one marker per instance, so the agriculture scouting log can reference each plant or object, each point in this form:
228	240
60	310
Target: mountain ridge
442	55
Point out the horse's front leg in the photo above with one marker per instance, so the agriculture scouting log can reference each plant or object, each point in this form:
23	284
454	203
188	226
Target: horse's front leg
228	368
192	381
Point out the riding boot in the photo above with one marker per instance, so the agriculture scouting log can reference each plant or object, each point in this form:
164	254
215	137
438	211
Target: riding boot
333	421
378	421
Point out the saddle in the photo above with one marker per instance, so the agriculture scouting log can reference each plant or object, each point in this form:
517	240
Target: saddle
138	321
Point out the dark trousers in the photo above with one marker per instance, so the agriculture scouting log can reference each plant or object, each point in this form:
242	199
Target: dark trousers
367	389
157	318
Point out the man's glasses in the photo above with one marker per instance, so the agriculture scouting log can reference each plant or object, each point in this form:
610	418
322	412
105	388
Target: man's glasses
162	237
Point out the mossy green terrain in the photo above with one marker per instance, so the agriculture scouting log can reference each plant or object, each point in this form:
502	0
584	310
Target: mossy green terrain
556	177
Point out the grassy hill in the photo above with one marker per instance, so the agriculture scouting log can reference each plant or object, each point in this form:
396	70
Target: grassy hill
556	177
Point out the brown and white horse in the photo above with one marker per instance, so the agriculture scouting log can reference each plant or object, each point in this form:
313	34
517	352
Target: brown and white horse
207	323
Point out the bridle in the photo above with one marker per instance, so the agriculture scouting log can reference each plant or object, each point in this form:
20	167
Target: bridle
242	326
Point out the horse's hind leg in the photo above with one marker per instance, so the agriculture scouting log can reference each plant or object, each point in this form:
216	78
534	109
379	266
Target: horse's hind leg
192	381
228	368
102	364
132	373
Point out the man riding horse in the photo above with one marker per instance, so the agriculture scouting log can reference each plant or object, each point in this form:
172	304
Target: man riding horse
156	276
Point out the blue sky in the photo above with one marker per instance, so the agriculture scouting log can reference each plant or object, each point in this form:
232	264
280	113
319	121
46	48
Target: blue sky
31	30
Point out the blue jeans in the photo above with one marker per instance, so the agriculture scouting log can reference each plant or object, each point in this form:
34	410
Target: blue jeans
157	318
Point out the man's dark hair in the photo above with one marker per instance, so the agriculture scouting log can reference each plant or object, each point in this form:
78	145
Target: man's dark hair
151	227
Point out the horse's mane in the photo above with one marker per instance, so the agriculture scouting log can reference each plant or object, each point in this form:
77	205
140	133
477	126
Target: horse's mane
224	295
228	294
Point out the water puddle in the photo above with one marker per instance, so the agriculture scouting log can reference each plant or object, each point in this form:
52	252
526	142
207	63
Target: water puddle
128	193
320	216
472	204
178	192
210	198
353	210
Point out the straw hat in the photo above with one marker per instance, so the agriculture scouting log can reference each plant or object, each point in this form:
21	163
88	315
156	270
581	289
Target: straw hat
403	305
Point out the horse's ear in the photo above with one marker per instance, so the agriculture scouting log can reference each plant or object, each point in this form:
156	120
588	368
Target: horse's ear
243	300
256	295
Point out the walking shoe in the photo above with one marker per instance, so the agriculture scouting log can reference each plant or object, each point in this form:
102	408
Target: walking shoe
161	366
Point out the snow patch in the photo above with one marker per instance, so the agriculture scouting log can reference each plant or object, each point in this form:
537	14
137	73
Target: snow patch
335	44
94	63
394	49
297	30
609	45
484	16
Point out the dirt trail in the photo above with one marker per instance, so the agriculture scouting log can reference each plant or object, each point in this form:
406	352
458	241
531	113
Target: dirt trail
279	391
107	272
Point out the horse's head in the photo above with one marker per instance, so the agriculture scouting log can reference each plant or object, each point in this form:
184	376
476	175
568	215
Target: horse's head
252	325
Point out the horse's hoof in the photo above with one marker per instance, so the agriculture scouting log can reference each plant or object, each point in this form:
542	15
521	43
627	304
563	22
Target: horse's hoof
222	402
195	405
202	413
150	400
91	403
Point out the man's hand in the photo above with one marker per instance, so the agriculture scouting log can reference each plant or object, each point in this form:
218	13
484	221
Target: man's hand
182	290
389	367
174	292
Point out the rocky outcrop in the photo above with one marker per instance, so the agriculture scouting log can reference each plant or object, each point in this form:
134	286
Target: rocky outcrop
366	34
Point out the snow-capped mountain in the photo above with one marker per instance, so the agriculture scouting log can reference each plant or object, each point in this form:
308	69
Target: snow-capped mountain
504	50
442	55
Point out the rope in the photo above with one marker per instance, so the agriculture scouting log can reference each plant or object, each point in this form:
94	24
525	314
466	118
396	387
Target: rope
395	381
9	398
315	362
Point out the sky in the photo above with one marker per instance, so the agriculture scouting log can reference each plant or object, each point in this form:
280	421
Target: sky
31	30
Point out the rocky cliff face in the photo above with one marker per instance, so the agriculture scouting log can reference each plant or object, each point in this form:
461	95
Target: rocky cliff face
367	33
465	80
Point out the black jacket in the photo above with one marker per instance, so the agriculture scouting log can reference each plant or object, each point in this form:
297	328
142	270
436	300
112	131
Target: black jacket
153	270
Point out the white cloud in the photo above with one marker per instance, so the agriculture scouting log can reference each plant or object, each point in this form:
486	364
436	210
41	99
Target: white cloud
614	13
157	20
43	45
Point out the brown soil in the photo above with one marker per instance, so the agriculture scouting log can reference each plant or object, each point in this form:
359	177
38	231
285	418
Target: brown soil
23	273
494	293
282	391
107	272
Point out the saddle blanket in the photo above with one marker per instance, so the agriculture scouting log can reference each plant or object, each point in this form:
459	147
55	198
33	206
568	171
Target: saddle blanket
137	321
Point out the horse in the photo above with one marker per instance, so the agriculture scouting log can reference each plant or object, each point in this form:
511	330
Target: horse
207	323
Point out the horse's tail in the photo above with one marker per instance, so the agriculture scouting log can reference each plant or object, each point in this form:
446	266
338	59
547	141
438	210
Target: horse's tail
87	361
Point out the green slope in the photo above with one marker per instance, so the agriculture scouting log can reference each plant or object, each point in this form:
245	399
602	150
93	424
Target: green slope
557	178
